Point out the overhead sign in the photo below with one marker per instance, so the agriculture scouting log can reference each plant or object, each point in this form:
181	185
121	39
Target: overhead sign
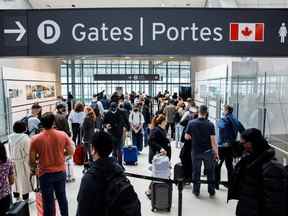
144	31
127	77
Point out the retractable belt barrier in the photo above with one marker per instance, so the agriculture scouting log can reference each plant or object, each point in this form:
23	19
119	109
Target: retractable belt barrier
179	183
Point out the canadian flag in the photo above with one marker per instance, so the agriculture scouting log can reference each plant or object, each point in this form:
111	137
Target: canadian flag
252	32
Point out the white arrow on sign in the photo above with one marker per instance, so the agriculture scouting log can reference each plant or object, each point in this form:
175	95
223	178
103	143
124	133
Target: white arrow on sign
21	31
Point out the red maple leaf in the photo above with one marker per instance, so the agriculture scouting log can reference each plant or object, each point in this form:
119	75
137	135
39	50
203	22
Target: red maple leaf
246	32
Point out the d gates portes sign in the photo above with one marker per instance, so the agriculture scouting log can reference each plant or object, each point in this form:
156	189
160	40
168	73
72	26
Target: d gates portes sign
144	31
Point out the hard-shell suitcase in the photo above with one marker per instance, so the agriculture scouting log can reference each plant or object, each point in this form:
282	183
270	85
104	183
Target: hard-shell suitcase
161	167
130	155
179	172
19	209
161	198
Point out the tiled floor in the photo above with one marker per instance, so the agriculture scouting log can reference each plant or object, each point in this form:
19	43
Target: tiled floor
203	206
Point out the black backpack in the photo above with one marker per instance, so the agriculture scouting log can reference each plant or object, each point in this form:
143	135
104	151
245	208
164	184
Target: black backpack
121	198
25	121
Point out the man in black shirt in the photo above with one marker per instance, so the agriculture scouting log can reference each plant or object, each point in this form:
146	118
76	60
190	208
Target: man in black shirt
201	132
114	121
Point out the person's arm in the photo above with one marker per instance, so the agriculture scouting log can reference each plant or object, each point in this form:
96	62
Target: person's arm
213	141
188	134
142	121
214	146
33	156
70	116
131	122
11	176
100	106
69	149
66	127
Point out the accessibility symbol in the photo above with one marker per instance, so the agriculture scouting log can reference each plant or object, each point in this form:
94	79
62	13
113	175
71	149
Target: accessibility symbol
49	32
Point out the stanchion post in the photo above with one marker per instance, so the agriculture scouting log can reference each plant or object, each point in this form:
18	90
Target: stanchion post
180	197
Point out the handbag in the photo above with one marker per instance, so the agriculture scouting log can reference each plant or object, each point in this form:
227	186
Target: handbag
79	155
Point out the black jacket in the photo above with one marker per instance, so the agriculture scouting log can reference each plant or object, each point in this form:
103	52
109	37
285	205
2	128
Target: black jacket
158	140
88	128
61	123
92	193
259	184
117	121
146	113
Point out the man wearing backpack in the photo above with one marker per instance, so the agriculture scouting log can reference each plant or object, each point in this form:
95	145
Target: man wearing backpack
97	104
33	121
105	190
228	129
136	120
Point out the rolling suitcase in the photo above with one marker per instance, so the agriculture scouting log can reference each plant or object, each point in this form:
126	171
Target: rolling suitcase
161	199
179	172
19	209
130	155
161	167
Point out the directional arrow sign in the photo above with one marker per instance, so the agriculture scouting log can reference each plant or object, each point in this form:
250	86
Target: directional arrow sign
20	31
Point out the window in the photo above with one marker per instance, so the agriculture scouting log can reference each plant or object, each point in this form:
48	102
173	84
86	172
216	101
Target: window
172	75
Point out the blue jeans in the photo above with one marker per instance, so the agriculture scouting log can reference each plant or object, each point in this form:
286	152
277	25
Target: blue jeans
50	183
146	131
209	164
137	140
179	129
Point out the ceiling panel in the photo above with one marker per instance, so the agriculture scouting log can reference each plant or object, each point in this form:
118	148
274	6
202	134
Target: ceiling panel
116	3
158	3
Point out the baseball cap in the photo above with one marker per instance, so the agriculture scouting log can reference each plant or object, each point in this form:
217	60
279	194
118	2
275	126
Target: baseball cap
203	109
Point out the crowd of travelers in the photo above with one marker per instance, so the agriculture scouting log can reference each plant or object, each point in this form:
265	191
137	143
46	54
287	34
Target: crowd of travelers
41	143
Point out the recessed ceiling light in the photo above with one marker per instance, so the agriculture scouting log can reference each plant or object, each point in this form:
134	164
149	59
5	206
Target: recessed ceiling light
188	4
171	57
162	5
48	5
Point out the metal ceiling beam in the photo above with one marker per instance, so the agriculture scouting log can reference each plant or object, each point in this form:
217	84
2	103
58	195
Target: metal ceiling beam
221	3
228	3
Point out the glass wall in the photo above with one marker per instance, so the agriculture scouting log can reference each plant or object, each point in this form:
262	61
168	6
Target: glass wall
258	91
77	77
3	113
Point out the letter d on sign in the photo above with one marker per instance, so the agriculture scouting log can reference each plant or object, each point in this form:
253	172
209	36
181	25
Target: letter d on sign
49	32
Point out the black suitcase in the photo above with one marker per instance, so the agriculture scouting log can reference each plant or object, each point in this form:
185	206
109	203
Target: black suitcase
179	172
161	198
19	209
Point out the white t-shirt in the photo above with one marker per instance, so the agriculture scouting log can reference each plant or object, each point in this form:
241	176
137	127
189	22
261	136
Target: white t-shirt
76	117
136	119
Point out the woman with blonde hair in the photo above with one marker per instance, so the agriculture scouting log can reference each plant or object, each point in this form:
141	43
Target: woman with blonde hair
158	141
